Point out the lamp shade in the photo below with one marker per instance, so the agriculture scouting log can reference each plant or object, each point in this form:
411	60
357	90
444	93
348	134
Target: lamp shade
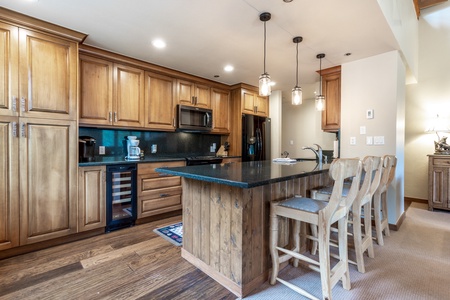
320	103
297	95
265	88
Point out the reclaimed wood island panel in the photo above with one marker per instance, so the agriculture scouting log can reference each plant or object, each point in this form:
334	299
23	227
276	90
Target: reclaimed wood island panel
226	215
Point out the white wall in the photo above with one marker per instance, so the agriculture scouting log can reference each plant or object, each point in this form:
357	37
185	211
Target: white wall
275	110
430	96
376	83
302	126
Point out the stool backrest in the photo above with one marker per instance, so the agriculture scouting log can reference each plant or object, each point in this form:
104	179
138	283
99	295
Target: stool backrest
340	170
389	165
372	175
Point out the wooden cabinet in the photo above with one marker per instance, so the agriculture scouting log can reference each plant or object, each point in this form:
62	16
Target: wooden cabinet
158	193
331	89
38	130
159	102
111	93
48	179
439	182
9	183
190	93
254	104
39	74
91	198
220	103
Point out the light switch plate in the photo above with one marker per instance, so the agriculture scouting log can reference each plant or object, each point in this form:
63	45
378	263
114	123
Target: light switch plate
378	140
369	140
369	114
362	130
154	148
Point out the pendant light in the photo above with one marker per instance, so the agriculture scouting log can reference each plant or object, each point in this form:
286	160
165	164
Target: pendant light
320	99
264	79
297	91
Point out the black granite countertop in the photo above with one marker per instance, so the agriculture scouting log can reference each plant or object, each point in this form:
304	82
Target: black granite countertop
247	174
114	160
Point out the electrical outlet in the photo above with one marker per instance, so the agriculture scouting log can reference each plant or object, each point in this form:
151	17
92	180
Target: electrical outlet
101	150
362	130
154	148
352	140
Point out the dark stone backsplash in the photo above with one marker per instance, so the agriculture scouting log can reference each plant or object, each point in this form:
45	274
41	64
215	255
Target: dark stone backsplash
168	143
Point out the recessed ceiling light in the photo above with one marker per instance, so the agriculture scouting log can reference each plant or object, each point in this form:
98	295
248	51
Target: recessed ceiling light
158	43
228	68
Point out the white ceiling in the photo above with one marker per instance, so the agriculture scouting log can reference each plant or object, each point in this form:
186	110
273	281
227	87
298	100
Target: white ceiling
204	35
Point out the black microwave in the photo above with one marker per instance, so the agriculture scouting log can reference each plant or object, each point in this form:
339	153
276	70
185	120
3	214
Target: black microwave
192	118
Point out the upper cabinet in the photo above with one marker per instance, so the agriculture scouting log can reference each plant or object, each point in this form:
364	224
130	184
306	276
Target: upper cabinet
254	104
220	103
38	74
111	93
331	89
193	94
159	102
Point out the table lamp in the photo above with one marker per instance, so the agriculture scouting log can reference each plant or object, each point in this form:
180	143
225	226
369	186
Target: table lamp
440	146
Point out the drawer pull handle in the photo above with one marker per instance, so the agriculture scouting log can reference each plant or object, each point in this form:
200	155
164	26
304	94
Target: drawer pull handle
164	195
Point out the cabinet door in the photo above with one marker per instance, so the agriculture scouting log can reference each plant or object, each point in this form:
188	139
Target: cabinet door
96	90
9	65
440	187
185	92
91	198
262	106
159	102
128	96
221	110
47	76
9	184
202	96
48	179
248	102
331	89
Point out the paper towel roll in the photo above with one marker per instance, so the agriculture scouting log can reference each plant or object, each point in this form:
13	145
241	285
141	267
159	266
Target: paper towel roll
336	149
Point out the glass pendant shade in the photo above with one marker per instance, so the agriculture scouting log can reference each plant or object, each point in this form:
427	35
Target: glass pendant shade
297	95
320	103
264	85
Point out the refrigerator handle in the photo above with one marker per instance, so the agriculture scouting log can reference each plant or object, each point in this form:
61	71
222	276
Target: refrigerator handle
259	143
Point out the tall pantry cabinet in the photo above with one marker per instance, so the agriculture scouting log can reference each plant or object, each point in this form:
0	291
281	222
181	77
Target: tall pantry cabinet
38	130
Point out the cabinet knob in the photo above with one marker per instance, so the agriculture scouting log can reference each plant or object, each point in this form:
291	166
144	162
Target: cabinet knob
110	116
115	116
22	104
14	104
22	130
14	129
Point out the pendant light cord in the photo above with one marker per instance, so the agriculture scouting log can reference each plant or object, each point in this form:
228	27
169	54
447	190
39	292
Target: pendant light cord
321	76
296	73
264	47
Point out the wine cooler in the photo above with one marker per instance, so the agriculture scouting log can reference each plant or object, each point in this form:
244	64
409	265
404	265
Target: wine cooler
121	206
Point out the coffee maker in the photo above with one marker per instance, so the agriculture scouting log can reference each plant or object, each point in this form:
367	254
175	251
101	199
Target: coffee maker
86	146
134	151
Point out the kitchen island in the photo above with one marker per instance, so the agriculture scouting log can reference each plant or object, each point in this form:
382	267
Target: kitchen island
226	215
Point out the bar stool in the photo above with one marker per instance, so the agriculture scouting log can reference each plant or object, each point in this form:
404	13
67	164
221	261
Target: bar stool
321	214
362	203
380	198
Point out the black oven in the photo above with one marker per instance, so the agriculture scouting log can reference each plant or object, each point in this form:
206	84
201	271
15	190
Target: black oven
121	196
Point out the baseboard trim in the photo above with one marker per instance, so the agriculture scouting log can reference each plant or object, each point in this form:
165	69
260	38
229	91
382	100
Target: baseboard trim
415	200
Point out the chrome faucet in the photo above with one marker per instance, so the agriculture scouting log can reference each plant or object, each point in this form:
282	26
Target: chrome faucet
319	156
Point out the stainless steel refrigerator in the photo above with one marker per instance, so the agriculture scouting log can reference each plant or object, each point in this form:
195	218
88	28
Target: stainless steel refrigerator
255	138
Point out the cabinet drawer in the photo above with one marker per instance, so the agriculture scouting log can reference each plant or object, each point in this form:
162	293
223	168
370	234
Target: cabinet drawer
149	169
160	192
147	184
150	207
444	161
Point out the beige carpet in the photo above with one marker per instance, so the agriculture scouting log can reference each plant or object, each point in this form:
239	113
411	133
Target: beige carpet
413	264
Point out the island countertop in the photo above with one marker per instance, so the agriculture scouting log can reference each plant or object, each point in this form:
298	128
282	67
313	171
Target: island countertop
247	174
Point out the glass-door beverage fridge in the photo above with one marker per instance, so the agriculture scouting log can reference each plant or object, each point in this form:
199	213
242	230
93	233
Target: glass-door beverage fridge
121	206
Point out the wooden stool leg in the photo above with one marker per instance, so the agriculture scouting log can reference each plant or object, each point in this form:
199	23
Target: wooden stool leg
273	240
357	239
314	243
384	210
368	230
324	259
377	216
343	254
296	241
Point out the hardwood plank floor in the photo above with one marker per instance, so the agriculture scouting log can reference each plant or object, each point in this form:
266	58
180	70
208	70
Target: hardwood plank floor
131	263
